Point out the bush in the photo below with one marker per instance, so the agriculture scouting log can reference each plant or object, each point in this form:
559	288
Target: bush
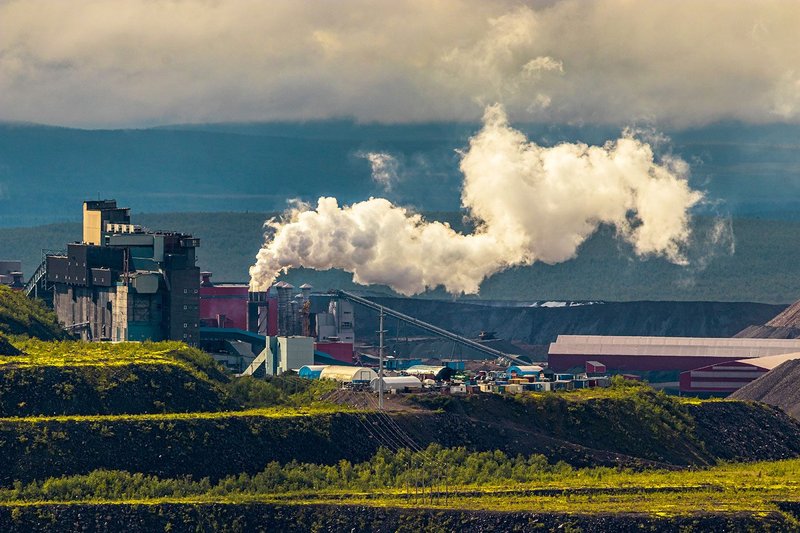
248	391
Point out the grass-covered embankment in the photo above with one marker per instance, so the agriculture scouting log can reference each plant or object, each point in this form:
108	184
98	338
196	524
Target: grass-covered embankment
627	427
20	315
400	491
632	419
72	377
79	378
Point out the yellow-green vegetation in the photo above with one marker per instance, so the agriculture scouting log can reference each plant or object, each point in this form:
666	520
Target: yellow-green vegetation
21	316
282	411
450	478
80	353
63	378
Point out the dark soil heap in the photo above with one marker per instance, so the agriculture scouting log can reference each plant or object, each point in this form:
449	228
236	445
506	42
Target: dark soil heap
785	325
778	387
6	348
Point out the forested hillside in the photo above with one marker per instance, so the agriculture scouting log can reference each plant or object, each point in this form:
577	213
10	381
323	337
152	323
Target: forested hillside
46	171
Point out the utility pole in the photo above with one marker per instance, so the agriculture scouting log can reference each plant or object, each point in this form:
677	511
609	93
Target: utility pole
380	363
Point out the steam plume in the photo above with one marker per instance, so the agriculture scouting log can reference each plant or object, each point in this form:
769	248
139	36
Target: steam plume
384	168
529	203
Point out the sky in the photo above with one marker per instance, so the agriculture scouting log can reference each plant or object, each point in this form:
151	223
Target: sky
130	63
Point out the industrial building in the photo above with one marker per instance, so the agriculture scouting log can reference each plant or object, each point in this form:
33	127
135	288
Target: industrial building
11	274
124	283
357	375
394	384
622	354
283	354
223	305
310	371
437	373
722	379
524	371
279	312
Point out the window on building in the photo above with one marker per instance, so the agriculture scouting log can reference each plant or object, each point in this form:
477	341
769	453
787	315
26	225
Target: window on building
347	325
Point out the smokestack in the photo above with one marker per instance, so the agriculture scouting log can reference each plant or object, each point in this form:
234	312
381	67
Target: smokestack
284	307
258	312
205	279
297	315
305	289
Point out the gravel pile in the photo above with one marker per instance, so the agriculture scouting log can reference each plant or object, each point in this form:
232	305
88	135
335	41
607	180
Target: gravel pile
778	387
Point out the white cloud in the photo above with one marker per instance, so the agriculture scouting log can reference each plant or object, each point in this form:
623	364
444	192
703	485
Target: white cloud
682	62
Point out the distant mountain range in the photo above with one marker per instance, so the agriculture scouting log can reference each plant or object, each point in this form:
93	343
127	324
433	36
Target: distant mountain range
45	172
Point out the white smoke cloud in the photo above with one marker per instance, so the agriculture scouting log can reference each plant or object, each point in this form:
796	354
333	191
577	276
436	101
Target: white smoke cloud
528	202
384	168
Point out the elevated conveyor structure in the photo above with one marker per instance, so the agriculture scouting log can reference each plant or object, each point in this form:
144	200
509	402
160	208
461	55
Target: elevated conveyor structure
475	345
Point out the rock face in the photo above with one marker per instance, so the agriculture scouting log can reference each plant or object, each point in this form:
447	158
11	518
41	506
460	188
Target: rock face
541	325
777	387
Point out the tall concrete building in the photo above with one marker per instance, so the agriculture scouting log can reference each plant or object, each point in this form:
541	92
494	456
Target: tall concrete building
124	283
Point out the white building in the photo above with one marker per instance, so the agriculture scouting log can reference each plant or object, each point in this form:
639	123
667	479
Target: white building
294	352
348	374
397	383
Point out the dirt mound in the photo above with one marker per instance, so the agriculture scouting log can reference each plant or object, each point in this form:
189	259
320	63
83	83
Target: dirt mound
541	325
6	348
769	332
744	431
646	430
788	318
777	387
106	390
785	325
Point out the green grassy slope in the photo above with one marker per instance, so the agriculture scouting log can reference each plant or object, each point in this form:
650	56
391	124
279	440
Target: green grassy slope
72	411
632	427
21	316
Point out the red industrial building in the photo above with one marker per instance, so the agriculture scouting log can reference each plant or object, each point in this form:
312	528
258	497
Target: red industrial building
223	305
646	354
341	351
726	378
234	306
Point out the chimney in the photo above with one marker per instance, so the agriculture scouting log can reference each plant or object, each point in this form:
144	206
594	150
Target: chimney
305	290
284	307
